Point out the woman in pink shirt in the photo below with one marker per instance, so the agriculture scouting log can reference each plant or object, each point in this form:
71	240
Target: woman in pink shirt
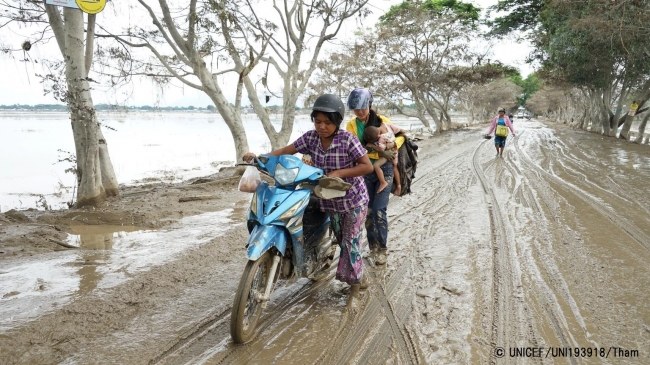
500	140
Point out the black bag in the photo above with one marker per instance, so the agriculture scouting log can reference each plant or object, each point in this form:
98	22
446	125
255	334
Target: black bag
407	163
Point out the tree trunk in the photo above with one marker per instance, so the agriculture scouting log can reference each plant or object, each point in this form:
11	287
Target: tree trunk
640	135
625	132
581	124
109	181
95	175
85	127
431	111
230	115
288	120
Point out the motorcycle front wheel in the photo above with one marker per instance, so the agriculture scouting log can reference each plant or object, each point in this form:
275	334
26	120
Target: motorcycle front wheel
247	306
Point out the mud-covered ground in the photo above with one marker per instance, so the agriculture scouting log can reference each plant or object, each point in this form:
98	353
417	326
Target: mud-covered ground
546	248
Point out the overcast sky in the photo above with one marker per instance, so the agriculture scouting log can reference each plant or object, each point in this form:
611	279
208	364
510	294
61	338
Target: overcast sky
21	86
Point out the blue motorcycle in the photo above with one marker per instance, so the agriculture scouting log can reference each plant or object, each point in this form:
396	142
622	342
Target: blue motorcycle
289	236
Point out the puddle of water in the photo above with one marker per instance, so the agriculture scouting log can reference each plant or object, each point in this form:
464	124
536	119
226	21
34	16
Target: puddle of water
98	237
31	288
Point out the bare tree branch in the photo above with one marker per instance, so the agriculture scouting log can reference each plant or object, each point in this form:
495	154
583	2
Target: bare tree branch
160	58
162	30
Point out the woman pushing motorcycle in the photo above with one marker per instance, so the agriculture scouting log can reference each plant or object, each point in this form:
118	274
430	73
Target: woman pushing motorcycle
340	155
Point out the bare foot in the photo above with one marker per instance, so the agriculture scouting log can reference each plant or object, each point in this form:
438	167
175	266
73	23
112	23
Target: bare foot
382	186
398	190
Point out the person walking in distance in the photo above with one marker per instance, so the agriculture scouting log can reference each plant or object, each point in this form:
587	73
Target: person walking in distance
500	125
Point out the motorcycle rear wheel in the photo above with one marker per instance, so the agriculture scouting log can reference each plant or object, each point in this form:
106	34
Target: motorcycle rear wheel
246	308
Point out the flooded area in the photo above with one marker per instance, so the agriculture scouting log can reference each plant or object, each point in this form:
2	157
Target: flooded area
547	247
144	147
109	256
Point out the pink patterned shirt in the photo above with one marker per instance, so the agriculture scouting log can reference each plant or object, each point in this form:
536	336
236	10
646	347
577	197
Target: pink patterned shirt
343	153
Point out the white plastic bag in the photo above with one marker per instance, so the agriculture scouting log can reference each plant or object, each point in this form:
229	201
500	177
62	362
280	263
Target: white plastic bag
250	180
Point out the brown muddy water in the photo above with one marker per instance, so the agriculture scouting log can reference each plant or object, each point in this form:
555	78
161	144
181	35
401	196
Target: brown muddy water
109	256
545	248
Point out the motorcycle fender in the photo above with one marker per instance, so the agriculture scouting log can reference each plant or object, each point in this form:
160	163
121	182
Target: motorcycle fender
262	238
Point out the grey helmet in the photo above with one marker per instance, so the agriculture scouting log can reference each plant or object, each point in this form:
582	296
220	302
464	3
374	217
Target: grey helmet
329	103
360	98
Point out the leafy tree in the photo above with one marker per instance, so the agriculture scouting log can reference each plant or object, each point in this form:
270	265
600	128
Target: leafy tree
599	46
522	16
529	85
483	99
418	54
423	51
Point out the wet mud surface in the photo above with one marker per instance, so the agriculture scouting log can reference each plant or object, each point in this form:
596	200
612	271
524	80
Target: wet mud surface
546	247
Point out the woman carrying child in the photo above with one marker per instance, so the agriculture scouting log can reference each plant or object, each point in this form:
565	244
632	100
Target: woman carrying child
374	138
360	102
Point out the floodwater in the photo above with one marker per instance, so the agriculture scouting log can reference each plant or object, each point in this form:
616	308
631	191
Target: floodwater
144	147
109	256
546	247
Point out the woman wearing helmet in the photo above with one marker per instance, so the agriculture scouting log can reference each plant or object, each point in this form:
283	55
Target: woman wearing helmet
499	139
360	102
341	155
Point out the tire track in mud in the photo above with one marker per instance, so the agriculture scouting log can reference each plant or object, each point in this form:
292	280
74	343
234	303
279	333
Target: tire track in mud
447	189
379	348
545	293
377	328
634	232
397	315
354	333
548	297
575	167
393	330
510	322
215	330
192	336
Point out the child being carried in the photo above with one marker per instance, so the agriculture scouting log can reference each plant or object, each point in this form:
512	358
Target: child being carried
377	138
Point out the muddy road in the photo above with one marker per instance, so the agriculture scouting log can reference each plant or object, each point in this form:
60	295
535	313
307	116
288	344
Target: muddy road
545	248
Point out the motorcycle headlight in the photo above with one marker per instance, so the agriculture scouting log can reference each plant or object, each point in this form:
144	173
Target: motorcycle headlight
284	175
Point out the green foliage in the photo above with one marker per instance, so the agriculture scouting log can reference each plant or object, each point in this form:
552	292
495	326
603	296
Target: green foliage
523	15
478	74
585	43
36	107
592	44
530	85
465	12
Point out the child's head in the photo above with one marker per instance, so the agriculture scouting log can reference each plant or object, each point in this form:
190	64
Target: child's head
370	134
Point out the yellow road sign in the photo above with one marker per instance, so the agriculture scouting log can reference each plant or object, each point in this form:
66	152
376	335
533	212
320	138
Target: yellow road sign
91	6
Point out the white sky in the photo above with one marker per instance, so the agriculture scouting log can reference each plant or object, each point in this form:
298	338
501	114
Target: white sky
21	86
